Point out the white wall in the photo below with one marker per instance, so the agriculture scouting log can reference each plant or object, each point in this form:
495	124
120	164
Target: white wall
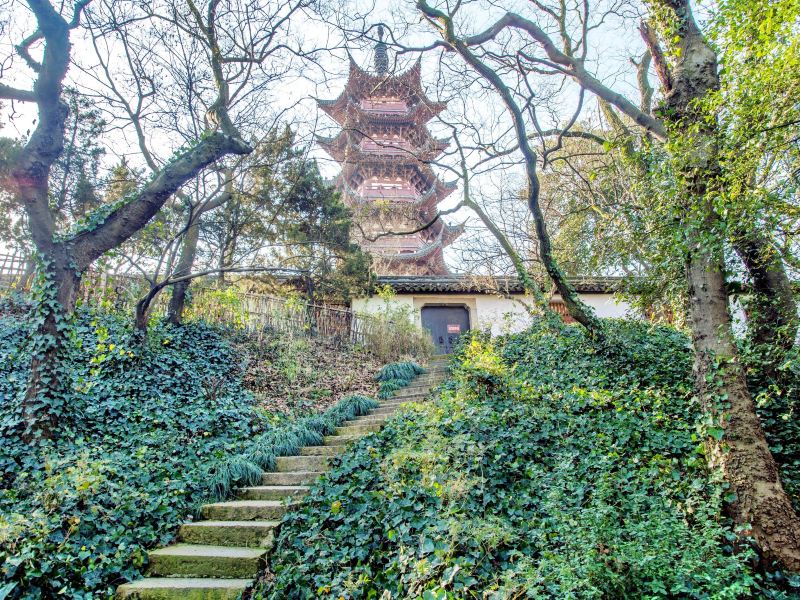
501	315
605	305
376	304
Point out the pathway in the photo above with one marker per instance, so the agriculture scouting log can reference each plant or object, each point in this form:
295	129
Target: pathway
220	556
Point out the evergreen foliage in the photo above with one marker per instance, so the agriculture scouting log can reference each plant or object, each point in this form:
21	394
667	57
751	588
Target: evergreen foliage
545	470
150	432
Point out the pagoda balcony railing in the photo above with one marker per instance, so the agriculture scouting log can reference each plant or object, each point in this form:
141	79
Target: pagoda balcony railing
388	149
389	195
392	107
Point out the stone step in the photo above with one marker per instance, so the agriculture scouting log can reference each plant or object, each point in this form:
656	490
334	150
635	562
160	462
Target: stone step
404	398
372	416
371	419
296	478
341	440
321	450
397	403
425	384
385	411
288	464
190	560
245	534
407	397
244	510
414	390
272	492
175	588
357	429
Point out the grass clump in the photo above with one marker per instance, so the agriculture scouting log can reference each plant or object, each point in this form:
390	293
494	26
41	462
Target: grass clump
259	454
545	469
395	376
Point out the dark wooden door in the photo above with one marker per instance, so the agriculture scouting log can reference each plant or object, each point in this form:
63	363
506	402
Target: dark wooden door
445	323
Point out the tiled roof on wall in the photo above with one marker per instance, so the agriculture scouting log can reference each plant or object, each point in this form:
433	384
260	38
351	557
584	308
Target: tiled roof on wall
484	285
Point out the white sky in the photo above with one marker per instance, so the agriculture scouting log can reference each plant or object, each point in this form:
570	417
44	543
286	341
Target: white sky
611	47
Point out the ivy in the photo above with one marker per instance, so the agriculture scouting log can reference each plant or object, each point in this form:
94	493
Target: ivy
545	469
148	432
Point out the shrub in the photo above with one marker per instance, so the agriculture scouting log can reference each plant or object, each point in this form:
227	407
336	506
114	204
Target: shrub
393	334
545	470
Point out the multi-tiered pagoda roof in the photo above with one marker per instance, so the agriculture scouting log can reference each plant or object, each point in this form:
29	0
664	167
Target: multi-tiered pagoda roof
385	149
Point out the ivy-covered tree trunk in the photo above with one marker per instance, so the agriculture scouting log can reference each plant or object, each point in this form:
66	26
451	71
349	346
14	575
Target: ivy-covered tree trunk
55	289
741	451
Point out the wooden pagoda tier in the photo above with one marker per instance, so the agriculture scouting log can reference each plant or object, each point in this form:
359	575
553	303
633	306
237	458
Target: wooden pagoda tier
385	149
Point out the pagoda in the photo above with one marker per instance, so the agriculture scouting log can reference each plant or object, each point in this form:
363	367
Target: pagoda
385	150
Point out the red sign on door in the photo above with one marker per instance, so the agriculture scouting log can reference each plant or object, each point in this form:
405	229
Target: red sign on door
453	328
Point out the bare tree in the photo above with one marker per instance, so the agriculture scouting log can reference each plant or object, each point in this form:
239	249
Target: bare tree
65	255
247	47
520	45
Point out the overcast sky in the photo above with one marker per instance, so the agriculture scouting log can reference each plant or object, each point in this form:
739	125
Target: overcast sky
611	46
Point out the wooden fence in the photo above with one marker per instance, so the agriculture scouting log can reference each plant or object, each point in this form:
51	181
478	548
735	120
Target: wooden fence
259	313
13	270
256	313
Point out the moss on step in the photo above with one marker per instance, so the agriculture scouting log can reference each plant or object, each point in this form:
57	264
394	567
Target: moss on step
246	534
321	450
244	510
286	464
174	588
298	478
357	429
272	492
341	440
189	560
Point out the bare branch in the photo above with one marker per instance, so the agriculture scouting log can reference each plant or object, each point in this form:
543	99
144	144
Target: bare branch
123	222
11	93
571	66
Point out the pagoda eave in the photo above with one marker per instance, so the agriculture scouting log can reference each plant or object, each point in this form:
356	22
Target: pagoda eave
345	153
386	153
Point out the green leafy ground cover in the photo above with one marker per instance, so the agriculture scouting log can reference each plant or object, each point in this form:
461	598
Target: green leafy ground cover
545	470
151	432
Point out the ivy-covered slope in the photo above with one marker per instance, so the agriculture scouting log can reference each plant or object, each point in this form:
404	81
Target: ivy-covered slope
146	430
545	470
151	431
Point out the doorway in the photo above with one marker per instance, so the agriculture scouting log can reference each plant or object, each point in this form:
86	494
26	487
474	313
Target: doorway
446	324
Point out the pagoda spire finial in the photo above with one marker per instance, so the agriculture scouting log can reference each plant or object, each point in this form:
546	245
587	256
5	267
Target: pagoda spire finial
381	54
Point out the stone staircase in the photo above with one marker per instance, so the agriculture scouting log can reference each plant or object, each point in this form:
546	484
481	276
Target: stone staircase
219	557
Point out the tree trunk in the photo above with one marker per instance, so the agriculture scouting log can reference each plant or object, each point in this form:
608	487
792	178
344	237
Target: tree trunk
185	263
772	320
530	287
741	453
45	398
141	314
